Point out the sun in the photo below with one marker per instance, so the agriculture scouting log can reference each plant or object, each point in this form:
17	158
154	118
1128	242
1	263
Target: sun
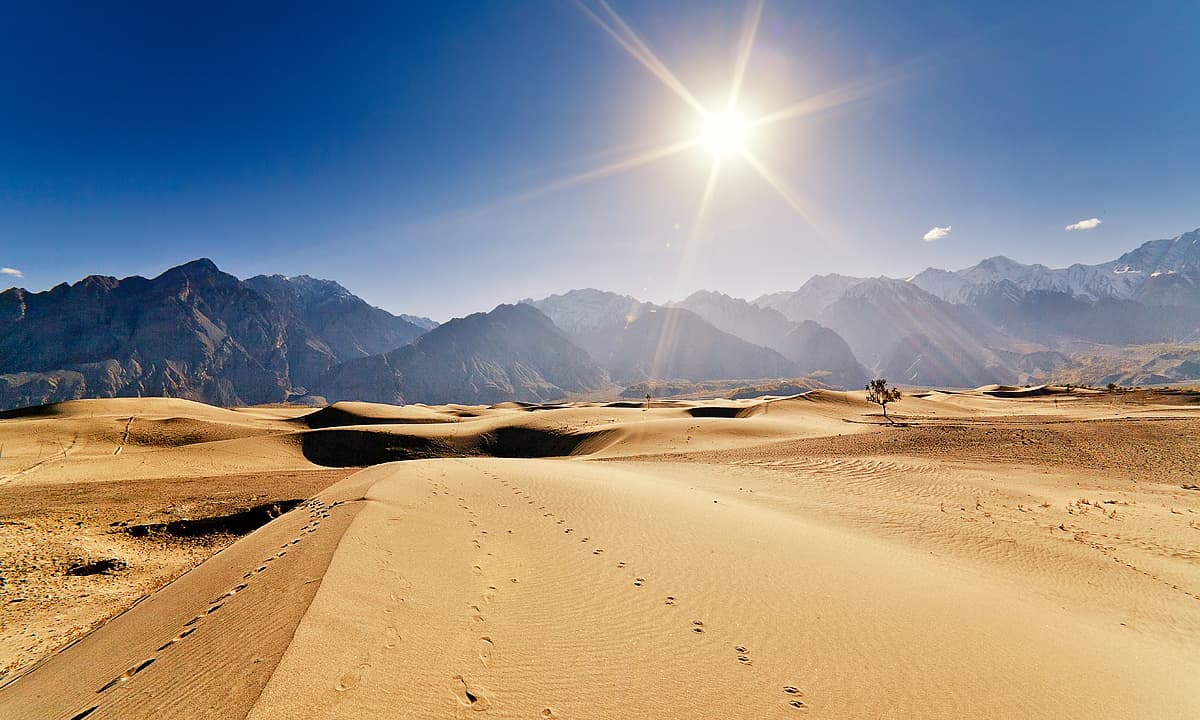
725	133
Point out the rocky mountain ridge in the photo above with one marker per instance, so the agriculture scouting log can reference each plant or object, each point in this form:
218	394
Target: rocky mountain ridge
199	333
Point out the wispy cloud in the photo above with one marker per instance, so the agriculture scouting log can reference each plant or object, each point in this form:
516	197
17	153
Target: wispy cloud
937	233
11	271
1089	224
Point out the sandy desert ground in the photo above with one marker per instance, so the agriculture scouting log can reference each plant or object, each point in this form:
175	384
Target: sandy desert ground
999	553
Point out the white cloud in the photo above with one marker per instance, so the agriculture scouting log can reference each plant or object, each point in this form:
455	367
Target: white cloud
937	233
1088	224
11	271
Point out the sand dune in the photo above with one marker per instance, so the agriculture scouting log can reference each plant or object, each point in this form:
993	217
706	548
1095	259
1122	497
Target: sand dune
986	557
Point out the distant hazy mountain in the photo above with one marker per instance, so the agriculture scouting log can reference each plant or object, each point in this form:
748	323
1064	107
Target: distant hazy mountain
1122	279
513	352
759	325
192	332
910	336
593	319
819	351
807	303
1086	281
636	341
673	343
422	322
992	321
1055	318
1150	294
812	347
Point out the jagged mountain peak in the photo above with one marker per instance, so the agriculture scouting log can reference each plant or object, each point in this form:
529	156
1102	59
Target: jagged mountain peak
193	331
1176	254
589	310
198	268
513	352
1000	262
304	287
308	283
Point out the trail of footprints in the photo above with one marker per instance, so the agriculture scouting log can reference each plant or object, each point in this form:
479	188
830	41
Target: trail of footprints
741	653
468	694
317	510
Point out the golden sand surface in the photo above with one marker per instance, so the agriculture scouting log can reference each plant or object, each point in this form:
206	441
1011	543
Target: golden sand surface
997	553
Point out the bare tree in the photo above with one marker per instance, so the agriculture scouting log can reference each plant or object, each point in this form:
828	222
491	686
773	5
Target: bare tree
879	393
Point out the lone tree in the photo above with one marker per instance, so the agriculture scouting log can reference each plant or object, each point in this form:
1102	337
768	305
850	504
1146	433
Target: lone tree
879	393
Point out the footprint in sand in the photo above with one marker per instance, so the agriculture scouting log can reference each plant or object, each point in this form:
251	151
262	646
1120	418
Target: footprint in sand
471	695
697	626
795	692
85	713
176	639
485	650
598	551
351	679
126	675
670	599
234	591
637	582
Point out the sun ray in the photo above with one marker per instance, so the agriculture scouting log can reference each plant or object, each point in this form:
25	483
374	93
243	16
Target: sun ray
705	201
666	336
853	91
638	50
630	162
754	13
789	194
619	166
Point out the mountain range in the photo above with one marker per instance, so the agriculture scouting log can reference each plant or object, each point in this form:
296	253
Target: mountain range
200	333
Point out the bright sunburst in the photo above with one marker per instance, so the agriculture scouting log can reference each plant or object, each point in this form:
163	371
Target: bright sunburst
725	133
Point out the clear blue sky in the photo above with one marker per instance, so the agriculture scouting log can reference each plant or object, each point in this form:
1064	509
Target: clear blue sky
397	147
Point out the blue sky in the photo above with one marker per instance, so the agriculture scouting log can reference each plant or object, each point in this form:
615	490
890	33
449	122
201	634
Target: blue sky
416	152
